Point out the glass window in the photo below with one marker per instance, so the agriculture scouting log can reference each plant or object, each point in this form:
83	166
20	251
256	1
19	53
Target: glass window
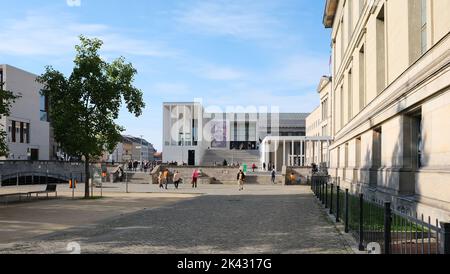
43	104
424	26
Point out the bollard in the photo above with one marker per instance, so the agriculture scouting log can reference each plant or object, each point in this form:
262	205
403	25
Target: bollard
387	228
326	194
346	211
361	222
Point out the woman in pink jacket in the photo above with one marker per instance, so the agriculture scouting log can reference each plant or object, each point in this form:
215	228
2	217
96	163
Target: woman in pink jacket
195	176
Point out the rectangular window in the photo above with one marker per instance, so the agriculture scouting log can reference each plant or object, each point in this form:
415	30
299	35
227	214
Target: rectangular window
423	11
358	153
342	41
350	20
27	133
1	79
346	160
342	107
21	133
350	95
416	139
338	157
381	51
13	131
377	139
362	79
43	104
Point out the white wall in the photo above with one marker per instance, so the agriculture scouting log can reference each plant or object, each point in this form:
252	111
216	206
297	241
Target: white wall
27	109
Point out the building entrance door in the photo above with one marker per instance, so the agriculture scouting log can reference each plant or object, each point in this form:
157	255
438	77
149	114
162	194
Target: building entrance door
191	158
34	155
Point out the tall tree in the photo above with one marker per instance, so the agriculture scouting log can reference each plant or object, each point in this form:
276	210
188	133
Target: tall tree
83	107
7	98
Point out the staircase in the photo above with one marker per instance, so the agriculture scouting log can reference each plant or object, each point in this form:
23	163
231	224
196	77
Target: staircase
139	177
248	157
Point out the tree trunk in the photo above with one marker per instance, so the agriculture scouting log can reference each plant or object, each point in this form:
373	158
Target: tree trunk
86	178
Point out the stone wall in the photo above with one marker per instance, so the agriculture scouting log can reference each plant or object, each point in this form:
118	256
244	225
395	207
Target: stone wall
216	175
302	172
54	169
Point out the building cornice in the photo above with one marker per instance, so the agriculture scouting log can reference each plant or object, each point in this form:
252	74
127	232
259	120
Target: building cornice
330	13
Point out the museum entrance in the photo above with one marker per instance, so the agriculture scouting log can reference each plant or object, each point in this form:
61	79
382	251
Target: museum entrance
244	145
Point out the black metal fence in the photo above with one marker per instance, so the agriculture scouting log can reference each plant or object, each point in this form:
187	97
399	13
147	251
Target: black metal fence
374	221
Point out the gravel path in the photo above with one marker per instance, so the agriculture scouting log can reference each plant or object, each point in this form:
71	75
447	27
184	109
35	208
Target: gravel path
253	222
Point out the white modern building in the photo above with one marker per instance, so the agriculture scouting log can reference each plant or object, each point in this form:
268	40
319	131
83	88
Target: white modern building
194	135
28	129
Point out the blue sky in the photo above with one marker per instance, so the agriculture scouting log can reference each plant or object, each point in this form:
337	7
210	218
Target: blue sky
228	53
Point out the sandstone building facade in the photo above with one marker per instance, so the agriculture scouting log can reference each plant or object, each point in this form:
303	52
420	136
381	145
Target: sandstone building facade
389	101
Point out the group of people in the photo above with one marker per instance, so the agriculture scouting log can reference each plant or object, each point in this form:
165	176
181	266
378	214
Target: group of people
142	166
269	167
166	177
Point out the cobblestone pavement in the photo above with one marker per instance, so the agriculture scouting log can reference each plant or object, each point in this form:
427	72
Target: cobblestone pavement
262	219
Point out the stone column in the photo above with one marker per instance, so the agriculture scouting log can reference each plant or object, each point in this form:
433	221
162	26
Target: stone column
302	155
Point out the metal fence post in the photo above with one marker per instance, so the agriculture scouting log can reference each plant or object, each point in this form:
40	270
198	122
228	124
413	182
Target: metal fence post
361	222
331	198
445	238
338	206
346	211
387	228
326	194
319	187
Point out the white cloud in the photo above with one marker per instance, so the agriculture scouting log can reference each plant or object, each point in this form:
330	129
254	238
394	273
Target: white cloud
38	34
229	18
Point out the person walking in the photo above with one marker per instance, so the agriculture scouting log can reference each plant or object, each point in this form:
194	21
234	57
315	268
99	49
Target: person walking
241	180
253	167
274	174
264	166
176	179
166	177
161	179
195	176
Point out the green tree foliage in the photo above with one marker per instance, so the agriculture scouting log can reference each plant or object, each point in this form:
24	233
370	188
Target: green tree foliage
83	108
6	99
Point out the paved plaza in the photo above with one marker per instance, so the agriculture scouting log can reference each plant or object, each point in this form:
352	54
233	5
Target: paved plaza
211	219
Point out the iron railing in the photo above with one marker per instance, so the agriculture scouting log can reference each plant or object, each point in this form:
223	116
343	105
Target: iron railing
376	222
